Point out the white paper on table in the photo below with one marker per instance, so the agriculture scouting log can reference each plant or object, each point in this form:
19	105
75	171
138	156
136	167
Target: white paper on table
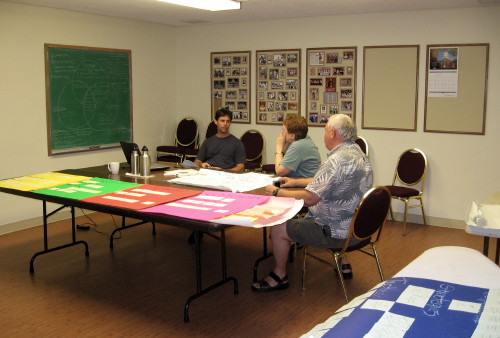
225	181
294	208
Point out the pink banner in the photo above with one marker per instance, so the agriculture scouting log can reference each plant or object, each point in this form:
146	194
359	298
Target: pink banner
209	205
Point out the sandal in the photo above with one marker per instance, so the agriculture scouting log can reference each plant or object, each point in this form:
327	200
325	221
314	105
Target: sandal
265	287
346	271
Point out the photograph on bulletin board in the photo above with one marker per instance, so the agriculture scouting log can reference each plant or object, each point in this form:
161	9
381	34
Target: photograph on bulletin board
277	84
330	84
230	84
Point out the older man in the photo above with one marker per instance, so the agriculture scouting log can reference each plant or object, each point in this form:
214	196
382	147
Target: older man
331	195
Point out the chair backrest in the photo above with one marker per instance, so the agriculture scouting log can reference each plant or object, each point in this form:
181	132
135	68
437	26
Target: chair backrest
411	168
211	130
371	213
187	133
253	141
361	142
269	168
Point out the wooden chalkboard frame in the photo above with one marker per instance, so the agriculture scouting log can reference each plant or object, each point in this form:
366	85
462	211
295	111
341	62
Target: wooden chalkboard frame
93	87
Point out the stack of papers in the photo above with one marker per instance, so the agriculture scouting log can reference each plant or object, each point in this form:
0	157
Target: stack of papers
221	180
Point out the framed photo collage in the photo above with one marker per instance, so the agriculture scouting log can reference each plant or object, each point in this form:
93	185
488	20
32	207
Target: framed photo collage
230	83
278	84
331	84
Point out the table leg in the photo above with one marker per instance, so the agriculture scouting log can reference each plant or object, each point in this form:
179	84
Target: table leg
45	235
498	251
486	245
199	289
264	256
124	227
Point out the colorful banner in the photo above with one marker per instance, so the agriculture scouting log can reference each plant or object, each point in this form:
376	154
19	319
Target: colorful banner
143	196
40	181
209	205
88	188
276	210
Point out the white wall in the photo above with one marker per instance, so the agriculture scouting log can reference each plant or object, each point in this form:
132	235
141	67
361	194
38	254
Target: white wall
171	79
23	127
461	167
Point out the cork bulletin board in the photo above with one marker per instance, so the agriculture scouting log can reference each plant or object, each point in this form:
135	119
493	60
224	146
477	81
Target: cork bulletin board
390	87
277	84
456	88
331	83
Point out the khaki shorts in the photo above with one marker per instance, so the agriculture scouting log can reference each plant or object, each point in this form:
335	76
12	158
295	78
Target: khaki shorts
307	232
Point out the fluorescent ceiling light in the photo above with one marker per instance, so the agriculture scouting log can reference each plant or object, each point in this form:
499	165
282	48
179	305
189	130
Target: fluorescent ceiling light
209	5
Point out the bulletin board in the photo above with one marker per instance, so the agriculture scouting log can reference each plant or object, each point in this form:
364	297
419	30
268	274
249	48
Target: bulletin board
390	87
278	84
331	83
230	83
456	88
88	98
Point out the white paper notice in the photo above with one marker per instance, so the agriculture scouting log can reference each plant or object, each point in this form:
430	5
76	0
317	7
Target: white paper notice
460	305
415	296
382	305
390	325
443	83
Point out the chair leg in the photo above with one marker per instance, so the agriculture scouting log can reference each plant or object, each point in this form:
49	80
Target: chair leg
341	277
422	207
375	255
392	214
304	269
405	216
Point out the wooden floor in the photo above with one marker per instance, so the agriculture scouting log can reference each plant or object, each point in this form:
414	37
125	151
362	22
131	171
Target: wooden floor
140	287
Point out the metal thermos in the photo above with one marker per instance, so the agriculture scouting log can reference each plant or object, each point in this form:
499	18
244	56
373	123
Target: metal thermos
145	162
135	161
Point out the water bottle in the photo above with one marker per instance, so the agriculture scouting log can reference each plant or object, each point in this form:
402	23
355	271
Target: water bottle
134	163
145	162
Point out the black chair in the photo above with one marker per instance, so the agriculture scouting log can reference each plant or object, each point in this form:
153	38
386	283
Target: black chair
211	130
186	137
253	141
364	232
268	168
410	171
361	142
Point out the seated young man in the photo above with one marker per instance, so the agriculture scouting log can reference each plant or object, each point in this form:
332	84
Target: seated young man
222	151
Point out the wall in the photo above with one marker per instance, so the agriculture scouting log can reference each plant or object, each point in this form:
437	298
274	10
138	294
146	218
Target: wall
461	167
23	131
171	73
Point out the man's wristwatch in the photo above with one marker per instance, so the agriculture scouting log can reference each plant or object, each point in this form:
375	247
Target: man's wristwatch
275	192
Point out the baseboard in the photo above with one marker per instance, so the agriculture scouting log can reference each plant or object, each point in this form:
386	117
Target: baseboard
36	221
66	214
435	221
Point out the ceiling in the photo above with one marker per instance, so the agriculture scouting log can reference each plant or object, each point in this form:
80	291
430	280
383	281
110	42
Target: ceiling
251	10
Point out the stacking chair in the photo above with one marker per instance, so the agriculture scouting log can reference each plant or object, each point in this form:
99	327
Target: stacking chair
186	137
410	171
361	142
269	168
254	148
190	153
211	130
366	228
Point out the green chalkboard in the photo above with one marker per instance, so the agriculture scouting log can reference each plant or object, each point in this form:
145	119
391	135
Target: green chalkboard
88	98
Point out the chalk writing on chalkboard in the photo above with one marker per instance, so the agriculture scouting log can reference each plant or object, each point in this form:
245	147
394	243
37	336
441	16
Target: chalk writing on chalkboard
88	98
